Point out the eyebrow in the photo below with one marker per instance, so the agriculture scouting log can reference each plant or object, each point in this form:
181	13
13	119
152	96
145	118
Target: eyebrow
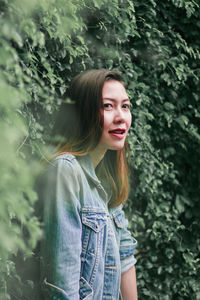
112	99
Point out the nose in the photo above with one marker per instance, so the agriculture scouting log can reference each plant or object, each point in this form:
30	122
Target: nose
119	116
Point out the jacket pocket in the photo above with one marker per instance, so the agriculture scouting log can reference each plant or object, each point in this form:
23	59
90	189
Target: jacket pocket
94	221
127	243
52	291
86	291
118	220
94	234
94	218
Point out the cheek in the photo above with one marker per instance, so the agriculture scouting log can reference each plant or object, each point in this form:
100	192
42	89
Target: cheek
106	121
129	120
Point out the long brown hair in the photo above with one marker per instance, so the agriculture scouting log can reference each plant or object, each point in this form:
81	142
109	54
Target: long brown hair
79	125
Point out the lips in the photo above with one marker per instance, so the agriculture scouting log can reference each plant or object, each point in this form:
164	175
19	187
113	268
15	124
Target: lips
118	131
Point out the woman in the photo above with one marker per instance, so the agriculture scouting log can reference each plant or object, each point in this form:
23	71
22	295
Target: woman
87	251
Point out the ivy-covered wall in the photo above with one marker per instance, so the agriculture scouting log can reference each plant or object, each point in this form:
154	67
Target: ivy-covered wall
156	45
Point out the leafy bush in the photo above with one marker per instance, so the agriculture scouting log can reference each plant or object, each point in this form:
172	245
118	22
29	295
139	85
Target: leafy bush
155	44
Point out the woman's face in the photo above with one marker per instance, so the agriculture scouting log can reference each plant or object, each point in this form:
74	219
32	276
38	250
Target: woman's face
116	114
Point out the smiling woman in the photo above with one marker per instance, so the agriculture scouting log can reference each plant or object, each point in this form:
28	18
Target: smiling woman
116	115
87	250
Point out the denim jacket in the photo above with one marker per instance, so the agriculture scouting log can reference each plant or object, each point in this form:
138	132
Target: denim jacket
86	246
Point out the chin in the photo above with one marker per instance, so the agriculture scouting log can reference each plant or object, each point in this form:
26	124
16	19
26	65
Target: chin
117	147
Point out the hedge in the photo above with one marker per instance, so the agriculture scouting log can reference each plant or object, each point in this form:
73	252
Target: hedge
155	44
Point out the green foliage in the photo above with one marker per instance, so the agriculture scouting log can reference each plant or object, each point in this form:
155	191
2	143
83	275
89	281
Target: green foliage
155	44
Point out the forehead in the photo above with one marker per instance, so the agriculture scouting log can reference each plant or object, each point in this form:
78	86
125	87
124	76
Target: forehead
114	89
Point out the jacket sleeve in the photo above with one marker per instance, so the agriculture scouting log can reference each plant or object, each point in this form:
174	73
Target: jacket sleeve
127	243
61	245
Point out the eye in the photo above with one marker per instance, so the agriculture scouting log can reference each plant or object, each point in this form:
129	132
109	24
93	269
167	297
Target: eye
107	106
126	106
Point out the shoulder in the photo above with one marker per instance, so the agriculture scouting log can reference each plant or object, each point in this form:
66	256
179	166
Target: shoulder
65	161
63	168
60	182
64	158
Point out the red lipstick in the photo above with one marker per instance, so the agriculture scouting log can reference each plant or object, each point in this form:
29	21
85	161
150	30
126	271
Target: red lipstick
118	132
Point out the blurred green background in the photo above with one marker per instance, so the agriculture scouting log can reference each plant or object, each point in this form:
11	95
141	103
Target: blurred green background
155	44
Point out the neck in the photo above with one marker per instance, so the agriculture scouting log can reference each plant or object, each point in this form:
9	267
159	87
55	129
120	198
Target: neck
97	155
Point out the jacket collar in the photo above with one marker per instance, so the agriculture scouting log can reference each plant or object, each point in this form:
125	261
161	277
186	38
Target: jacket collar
88	168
